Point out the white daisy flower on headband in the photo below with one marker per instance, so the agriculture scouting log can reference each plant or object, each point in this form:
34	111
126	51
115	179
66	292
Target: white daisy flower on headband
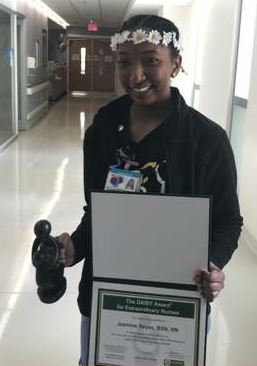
176	43
124	36
154	37
139	36
114	41
167	38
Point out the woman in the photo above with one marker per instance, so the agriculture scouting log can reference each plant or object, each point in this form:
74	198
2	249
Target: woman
176	149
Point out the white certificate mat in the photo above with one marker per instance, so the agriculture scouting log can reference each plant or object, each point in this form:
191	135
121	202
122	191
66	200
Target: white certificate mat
142	326
156	238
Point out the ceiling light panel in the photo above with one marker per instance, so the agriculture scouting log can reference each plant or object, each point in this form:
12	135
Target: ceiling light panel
61	7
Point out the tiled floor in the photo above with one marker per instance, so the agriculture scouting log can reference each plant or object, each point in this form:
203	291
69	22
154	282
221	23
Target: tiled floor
41	177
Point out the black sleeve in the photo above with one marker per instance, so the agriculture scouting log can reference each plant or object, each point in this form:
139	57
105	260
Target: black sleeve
226	219
81	236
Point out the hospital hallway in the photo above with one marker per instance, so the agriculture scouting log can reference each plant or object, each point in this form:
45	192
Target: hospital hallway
41	177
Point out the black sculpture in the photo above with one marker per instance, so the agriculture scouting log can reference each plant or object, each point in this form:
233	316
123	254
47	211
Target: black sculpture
49	271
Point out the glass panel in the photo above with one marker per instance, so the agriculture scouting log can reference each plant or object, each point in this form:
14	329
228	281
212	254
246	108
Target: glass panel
38	59
6	64
196	98
82	124
82	60
237	136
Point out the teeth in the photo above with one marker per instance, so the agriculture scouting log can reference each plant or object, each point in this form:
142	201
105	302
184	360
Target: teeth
143	89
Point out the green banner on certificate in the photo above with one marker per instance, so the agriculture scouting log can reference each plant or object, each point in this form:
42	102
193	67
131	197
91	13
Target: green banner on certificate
146	306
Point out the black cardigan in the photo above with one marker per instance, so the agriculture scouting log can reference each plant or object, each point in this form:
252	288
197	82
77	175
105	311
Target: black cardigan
200	162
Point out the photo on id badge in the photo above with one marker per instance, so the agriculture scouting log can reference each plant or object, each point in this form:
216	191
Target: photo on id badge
123	180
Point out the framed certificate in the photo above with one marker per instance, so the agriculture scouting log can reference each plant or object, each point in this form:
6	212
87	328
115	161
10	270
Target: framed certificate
146	309
137	325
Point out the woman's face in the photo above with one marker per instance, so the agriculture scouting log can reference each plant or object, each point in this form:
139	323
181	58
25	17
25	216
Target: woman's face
145	70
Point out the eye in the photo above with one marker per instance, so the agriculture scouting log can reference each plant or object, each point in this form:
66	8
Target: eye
151	61
123	63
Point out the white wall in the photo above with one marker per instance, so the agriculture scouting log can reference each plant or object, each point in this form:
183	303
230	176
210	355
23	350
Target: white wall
209	35
245	48
248	190
217	55
184	18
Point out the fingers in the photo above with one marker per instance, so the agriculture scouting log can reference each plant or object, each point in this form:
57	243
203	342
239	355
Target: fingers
209	283
67	251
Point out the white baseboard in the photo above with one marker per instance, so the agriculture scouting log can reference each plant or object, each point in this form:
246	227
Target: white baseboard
7	143
37	110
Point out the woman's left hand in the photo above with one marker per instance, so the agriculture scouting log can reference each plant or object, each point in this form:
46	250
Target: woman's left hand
211	282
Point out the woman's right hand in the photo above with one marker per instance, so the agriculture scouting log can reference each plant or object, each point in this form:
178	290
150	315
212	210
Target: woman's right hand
67	252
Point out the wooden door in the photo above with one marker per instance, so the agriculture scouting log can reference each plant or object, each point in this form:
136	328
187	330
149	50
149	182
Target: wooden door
80	65
103	66
91	66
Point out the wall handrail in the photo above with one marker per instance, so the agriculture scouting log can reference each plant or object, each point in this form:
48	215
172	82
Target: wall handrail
32	89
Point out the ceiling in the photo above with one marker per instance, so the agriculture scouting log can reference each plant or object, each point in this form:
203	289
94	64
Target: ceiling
107	13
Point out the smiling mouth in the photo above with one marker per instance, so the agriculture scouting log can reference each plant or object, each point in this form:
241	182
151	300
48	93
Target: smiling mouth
141	89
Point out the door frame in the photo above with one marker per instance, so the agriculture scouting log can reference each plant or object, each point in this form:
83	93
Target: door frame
13	61
79	37
21	73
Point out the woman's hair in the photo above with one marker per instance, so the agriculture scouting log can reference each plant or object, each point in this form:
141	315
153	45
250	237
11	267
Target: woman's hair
152	22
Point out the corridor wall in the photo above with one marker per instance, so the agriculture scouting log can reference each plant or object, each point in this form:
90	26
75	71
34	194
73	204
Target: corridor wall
185	18
248	191
32	22
219	23
209	34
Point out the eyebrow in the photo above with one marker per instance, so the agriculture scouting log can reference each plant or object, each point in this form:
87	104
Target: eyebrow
144	52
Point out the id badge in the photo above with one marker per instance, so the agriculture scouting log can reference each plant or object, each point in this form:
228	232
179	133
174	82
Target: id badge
123	180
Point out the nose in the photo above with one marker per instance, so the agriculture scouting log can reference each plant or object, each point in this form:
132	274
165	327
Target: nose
137	73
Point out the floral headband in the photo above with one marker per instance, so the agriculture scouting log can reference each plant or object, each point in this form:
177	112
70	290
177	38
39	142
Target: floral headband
140	36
